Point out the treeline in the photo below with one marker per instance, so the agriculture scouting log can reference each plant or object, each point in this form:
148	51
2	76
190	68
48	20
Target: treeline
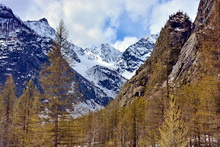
173	116
190	116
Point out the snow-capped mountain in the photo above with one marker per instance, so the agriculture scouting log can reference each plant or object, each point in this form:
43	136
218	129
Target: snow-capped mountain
41	27
100	71
9	23
135	55
108	80
104	55
22	51
91	62
96	64
104	52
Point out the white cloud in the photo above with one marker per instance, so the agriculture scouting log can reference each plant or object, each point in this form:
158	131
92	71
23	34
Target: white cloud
125	43
161	12
138	9
92	22
85	19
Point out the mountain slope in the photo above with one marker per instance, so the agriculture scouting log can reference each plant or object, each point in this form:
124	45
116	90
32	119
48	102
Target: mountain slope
41	27
135	55
93	62
106	79
153	73
100	71
23	51
178	54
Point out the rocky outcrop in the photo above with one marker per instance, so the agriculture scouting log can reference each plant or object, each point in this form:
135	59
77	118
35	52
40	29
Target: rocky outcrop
176	57
164	56
187	66
204	13
188	58
9	23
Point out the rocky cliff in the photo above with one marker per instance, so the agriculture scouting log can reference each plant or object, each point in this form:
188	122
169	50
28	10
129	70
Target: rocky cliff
187	66
176	56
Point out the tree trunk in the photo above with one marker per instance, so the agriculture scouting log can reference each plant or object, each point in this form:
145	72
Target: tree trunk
56	133
134	127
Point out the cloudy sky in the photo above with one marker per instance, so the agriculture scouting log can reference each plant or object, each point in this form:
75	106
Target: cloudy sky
92	22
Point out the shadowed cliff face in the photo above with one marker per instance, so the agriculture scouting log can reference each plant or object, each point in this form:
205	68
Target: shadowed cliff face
176	56
9	23
204	13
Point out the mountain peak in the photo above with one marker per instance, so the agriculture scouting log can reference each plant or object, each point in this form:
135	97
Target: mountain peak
106	52
44	20
5	12
41	27
180	22
135	55
9	22
105	45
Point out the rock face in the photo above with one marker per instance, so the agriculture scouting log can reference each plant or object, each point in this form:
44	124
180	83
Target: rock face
185	69
204	13
136	54
22	51
175	57
108	80
9	22
188	57
92	96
